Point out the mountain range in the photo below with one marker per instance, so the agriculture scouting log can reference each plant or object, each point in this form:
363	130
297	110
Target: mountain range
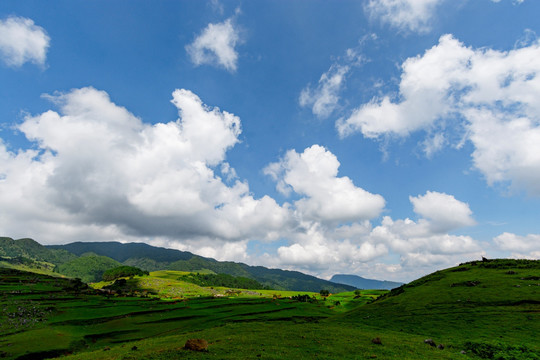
88	261
363	283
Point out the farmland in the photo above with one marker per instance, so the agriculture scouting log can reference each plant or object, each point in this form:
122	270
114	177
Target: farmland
473	311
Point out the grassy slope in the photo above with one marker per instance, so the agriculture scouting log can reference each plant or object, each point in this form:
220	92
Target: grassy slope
492	311
31	249
495	302
166	284
152	258
88	268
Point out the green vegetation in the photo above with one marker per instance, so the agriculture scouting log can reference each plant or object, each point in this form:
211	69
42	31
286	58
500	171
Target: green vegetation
30	249
479	310
46	317
479	305
152	258
223	280
89	268
123	271
23	263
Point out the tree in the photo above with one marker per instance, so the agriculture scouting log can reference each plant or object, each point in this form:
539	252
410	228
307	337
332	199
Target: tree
324	293
122	271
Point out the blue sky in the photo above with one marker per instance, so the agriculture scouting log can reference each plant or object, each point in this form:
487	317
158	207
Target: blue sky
384	138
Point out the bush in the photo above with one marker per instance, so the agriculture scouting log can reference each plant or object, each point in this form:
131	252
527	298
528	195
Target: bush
500	351
223	280
123	271
304	298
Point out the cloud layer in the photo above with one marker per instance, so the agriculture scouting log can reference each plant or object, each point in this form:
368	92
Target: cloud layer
324	97
215	45
482	95
408	15
404	15
326	197
97	172
22	41
98	166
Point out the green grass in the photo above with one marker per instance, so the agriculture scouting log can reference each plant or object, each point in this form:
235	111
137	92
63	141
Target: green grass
487	310
478	303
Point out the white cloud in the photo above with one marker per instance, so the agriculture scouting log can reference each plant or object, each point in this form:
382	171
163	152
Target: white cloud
217	6
489	97
327	198
405	15
333	222
324	98
323	249
216	46
423	246
434	144
101	173
22	41
519	246
444	211
514	1
97	172
408	237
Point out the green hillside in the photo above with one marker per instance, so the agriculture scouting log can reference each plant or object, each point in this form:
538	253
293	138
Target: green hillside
481	310
31	249
88	268
484	307
152	258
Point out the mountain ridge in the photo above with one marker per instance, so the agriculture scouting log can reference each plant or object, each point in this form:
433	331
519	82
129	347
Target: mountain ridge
151	258
363	283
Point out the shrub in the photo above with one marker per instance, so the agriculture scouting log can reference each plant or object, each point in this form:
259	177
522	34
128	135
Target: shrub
123	271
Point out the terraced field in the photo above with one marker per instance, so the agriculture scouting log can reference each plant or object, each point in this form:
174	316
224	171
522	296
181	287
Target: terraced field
45	317
475	311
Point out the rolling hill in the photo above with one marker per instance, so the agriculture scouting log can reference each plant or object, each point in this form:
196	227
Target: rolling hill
478	310
491	308
151	258
69	260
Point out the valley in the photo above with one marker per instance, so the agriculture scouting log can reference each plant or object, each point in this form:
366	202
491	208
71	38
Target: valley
479	310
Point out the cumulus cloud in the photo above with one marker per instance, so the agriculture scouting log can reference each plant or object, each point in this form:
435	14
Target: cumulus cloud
215	45
326	197
318	248
404	15
486	96
324	97
519	246
99	172
333	224
22	41
422	246
331	216
426	244
444	211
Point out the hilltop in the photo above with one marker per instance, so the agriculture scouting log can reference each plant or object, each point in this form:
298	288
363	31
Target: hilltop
488	307
478	310
89	260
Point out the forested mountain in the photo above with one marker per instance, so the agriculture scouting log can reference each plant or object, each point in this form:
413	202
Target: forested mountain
88	261
153	258
31	249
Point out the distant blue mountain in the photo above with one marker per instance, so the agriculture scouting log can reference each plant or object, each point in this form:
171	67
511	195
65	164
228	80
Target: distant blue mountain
361	283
